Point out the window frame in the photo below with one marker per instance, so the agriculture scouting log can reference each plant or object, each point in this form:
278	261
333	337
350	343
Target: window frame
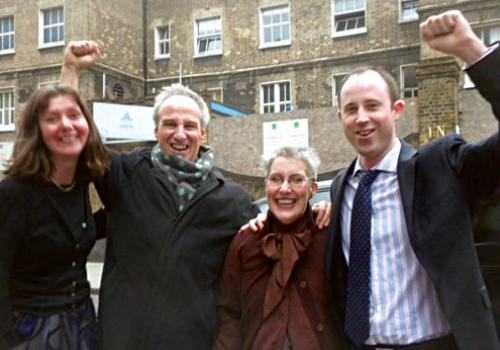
403	89
271	44
161	41
12	125
335	88
348	32
216	89
197	38
407	19
276	103
42	27
8	34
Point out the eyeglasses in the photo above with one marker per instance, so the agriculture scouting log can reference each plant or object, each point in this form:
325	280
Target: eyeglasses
295	181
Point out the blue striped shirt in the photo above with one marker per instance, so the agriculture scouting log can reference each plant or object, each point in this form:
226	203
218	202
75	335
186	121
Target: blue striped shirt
404	308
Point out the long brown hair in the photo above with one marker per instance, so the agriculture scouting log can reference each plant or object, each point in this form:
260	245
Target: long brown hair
31	158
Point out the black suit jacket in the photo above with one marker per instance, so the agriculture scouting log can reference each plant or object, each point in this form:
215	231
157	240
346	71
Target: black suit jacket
441	187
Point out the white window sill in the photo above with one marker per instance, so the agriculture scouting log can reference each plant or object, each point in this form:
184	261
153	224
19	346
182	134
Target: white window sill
50	45
7	52
283	43
162	57
345	33
208	54
408	20
8	128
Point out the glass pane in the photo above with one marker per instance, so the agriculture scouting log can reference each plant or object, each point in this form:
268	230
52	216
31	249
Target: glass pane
271	93
285	16
61	33
3	43
267	35
494	35
276	33
339	6
60	14
202	45
46	35
266	19
54	34
46	18
286	32
361	22
276	18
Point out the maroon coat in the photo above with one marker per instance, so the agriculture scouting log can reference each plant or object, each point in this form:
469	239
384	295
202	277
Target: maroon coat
274	287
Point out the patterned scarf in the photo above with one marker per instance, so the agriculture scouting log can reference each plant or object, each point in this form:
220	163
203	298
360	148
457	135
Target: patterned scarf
186	176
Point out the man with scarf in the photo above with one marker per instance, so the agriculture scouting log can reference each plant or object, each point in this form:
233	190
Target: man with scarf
171	217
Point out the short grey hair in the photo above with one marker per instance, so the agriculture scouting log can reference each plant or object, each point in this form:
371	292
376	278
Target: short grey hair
180	90
307	155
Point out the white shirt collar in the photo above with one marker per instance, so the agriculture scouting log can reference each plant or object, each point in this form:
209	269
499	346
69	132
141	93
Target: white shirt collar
387	164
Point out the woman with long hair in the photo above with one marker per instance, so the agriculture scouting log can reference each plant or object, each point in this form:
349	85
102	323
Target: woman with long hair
46	225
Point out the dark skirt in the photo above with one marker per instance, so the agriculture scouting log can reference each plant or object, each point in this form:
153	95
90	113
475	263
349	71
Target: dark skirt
74	329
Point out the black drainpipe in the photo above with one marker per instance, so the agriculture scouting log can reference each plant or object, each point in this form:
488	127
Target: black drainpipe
145	45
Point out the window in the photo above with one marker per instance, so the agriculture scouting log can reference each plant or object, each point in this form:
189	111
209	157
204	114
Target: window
489	35
208	37
275	27
162	42
408	10
7	35
7	122
48	83
409	85
275	97
51	27
216	94
349	17
337	80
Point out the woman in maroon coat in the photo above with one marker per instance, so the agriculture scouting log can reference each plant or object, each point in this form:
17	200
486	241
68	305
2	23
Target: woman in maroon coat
274	294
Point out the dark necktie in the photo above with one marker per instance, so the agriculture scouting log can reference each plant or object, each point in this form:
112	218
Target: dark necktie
357	322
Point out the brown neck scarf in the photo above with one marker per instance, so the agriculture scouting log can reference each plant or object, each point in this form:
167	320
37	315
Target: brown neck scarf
285	244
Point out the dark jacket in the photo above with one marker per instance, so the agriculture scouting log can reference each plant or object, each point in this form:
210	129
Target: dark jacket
441	187
43	251
159	285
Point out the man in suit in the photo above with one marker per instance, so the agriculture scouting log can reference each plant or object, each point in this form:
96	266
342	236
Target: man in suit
402	262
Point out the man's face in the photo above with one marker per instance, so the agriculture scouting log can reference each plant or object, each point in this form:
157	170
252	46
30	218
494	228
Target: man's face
179	129
368	116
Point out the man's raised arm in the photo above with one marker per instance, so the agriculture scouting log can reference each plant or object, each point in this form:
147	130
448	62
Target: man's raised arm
451	34
78	56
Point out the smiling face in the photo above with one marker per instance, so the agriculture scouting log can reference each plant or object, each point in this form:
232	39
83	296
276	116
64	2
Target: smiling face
368	116
287	202
64	129
179	129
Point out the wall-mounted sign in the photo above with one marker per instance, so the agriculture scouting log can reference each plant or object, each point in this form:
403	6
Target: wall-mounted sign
124	122
293	132
6	149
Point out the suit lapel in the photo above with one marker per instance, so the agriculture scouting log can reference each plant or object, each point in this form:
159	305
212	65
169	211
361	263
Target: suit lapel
406	179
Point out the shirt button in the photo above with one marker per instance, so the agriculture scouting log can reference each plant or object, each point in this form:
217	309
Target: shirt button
84	225
320	327
77	246
303	284
73	295
74	284
73	264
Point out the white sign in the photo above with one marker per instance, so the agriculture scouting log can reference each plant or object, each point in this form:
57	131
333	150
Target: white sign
124	122
6	149
293	132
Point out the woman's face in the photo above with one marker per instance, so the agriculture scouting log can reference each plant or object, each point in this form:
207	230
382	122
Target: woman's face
288	189
64	128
